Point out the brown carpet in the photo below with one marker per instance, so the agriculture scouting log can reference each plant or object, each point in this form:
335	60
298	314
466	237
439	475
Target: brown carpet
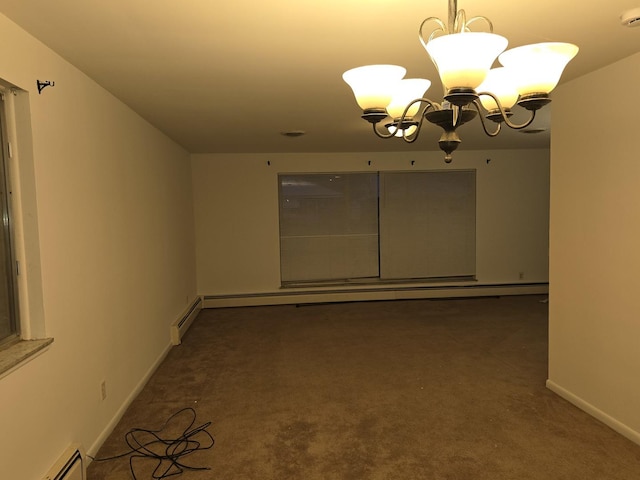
421	389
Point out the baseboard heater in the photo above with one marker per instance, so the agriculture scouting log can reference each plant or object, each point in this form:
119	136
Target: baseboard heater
182	324
70	465
296	296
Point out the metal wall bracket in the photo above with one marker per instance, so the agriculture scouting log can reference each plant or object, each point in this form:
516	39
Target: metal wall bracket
42	85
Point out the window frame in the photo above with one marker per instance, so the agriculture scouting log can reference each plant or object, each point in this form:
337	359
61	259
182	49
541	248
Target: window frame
32	339
9	253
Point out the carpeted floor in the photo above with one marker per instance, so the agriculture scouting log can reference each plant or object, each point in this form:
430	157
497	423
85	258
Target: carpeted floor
421	389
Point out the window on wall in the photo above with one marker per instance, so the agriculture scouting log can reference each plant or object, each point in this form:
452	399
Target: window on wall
8	298
376	227
18	287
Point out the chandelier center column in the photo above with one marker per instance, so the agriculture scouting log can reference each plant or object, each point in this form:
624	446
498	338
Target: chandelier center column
453	13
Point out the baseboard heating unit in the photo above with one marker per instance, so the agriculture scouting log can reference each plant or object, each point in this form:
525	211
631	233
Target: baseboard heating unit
70	466
294	296
180	326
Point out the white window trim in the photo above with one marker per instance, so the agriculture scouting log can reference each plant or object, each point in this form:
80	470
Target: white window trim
32	340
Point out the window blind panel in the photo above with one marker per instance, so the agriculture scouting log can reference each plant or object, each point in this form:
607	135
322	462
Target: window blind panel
427	224
328	226
331	257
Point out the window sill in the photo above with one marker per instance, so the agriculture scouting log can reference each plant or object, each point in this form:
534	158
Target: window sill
16	354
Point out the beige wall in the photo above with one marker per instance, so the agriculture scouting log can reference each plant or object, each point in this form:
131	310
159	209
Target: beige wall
594	339
236	208
109	199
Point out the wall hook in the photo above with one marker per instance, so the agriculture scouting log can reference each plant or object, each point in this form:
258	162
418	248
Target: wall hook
42	85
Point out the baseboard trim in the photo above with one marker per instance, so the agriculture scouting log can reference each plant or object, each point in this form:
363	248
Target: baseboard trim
608	420
93	450
182	324
371	293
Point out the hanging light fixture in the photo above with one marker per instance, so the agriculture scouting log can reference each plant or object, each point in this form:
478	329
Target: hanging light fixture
472	88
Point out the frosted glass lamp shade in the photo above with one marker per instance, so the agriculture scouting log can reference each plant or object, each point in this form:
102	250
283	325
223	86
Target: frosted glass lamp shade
501	82
539	65
463	59
373	85
403	93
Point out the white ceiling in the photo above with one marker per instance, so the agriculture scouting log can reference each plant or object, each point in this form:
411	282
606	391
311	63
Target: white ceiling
229	76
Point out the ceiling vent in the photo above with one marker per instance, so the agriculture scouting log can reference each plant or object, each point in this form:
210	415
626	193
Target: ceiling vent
631	18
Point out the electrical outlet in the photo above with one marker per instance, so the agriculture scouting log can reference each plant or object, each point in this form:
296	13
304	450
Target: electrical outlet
103	390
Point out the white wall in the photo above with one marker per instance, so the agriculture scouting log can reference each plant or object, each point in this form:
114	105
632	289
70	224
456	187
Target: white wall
236	209
594	337
115	224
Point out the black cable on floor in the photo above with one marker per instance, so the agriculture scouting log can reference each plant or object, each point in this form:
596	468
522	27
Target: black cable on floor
166	452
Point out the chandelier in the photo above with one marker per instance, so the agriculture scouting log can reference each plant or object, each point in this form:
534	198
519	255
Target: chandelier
471	87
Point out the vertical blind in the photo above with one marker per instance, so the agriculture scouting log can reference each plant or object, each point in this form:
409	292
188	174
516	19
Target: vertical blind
377	226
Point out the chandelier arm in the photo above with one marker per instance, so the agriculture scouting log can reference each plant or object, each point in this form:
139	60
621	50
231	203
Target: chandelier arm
459	23
388	134
475	19
441	28
403	120
524	125
411	139
412	103
505	116
476	103
429	104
